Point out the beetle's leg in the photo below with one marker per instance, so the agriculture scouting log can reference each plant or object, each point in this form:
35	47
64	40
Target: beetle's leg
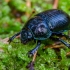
31	52
68	37
62	41
65	43
11	38
61	34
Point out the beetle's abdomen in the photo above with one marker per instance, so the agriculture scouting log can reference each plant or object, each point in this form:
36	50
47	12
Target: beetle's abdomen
57	20
45	23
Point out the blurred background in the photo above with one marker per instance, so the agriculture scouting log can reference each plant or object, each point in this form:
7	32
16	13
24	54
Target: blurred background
13	16
15	13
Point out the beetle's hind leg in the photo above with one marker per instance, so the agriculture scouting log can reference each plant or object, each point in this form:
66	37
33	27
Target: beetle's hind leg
65	43
68	37
62	41
12	38
61	35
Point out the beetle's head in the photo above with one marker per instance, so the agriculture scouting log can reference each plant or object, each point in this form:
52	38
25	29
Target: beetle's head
26	36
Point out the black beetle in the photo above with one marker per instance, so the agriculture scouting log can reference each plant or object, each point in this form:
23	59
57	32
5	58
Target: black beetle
43	26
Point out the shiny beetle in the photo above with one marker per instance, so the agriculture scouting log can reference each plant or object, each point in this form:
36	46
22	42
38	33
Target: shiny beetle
43	26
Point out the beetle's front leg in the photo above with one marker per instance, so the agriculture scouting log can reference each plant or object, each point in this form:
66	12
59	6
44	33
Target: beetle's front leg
11	38
31	52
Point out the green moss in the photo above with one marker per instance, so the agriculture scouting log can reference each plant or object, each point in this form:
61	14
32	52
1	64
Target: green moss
14	56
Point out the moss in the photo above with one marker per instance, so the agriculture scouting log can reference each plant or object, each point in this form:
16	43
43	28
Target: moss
14	56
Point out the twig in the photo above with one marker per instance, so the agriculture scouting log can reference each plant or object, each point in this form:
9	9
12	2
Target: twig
68	53
7	1
30	65
28	3
55	4
34	57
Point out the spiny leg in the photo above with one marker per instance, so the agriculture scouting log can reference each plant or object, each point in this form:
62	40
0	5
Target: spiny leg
12	38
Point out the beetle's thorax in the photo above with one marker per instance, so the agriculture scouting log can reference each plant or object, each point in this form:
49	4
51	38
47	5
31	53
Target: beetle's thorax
40	30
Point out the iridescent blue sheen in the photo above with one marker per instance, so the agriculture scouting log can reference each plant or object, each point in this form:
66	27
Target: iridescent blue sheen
43	26
45	23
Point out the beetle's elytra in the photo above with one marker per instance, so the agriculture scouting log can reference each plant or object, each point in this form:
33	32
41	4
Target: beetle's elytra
45	25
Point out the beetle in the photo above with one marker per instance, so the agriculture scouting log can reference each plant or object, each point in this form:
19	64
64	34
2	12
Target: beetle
43	26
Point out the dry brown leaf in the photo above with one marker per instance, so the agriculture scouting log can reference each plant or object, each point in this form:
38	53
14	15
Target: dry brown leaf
4	40
1	50
55	45
28	3
68	53
18	19
7	0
